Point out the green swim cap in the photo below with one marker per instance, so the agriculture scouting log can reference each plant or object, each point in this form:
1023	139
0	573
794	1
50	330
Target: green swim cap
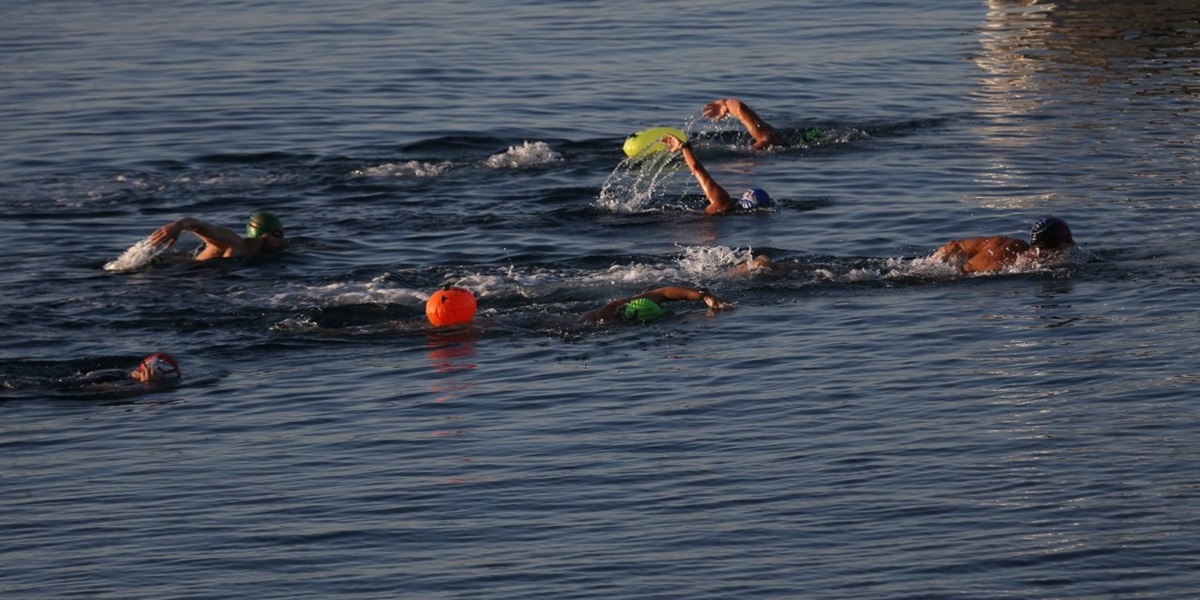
641	309
261	223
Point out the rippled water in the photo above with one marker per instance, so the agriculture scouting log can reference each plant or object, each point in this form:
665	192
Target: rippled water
871	426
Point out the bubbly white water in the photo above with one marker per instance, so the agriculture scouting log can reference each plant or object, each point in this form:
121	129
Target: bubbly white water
135	257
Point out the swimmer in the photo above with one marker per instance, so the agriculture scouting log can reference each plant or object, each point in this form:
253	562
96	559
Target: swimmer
264	235
645	306
1049	236
719	200
156	368
764	266
765	136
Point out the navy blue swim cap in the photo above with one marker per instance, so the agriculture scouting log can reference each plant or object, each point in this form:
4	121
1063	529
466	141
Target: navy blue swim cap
1050	232
755	198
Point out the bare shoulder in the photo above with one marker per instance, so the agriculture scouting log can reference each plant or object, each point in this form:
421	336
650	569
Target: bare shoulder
975	245
994	253
1003	243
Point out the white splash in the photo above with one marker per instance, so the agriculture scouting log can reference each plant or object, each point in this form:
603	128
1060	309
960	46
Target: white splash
635	276
483	285
135	257
526	155
633	183
375	291
930	268
712	261
925	267
412	168
539	283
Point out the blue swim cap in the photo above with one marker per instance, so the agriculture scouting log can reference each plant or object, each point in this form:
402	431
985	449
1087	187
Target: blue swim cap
1050	232
755	198
643	309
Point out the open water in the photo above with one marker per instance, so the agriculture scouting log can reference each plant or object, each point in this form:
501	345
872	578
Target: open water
871	427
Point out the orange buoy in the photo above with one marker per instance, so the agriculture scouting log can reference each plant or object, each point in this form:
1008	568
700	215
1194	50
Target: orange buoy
450	306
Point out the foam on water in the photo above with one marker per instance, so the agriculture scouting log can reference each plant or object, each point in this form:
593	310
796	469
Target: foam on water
537	282
412	168
376	291
528	154
135	257
929	268
694	265
710	261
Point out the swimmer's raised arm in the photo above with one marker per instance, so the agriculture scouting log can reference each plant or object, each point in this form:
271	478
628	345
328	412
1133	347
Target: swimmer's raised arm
167	234
211	234
219	241
719	201
764	134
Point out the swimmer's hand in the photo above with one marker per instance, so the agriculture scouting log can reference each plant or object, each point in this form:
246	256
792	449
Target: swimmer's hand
714	303
717	109
672	143
167	234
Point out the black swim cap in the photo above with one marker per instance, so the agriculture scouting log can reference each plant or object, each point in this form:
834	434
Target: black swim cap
1050	232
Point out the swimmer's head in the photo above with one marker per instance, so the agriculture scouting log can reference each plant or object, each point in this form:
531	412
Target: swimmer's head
264	223
755	198
1049	233
643	309
157	367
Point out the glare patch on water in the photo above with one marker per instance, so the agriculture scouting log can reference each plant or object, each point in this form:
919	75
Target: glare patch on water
528	154
1007	201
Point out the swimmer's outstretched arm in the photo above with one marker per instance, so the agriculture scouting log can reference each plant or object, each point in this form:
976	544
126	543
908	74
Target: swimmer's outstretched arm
678	294
719	201
764	134
215	236
612	309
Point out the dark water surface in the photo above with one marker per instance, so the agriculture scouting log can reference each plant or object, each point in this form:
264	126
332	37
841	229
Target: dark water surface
870	427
